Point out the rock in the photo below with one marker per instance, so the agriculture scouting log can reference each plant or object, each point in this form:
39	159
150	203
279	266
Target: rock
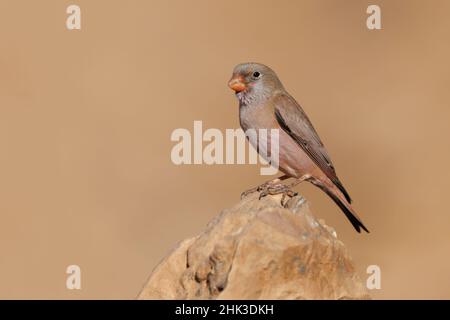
259	250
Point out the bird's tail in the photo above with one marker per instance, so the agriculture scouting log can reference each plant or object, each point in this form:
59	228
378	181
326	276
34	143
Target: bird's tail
339	198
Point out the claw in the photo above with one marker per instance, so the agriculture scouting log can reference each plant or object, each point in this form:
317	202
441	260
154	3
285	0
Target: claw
259	188
278	189
246	193
288	193
273	187
262	195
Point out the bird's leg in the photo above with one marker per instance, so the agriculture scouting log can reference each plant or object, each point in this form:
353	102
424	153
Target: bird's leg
305	177
277	189
264	186
285	190
293	184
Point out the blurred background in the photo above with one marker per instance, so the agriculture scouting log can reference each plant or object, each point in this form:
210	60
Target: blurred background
86	117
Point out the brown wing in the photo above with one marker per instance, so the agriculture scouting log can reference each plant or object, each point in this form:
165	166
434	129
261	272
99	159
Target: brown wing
294	121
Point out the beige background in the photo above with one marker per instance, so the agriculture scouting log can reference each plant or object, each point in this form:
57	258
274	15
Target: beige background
86	117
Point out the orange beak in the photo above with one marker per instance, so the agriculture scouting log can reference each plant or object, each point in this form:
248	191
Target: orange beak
237	84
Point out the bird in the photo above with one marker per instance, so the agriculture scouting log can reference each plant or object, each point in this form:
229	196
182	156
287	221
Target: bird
264	103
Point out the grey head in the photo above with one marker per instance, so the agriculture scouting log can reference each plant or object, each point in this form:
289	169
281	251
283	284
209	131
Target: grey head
254	83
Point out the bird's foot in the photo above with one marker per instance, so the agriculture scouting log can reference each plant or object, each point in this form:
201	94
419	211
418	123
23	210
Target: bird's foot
256	189
278	189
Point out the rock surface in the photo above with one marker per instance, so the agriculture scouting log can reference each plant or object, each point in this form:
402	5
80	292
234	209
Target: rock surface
259	250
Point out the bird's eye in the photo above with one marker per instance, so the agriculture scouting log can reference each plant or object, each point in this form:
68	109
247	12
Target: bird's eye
256	74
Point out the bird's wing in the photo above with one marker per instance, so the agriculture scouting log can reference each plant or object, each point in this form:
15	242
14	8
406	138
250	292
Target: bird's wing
294	121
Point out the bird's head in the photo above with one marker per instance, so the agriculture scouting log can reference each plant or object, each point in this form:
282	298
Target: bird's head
253	82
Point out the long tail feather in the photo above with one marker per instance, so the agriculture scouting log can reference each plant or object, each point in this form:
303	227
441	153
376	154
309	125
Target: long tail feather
340	199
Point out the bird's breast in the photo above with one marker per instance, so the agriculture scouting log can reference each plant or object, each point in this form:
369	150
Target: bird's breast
293	161
256	117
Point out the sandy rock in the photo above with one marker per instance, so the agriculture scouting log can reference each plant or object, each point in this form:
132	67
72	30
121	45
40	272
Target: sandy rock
259	250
